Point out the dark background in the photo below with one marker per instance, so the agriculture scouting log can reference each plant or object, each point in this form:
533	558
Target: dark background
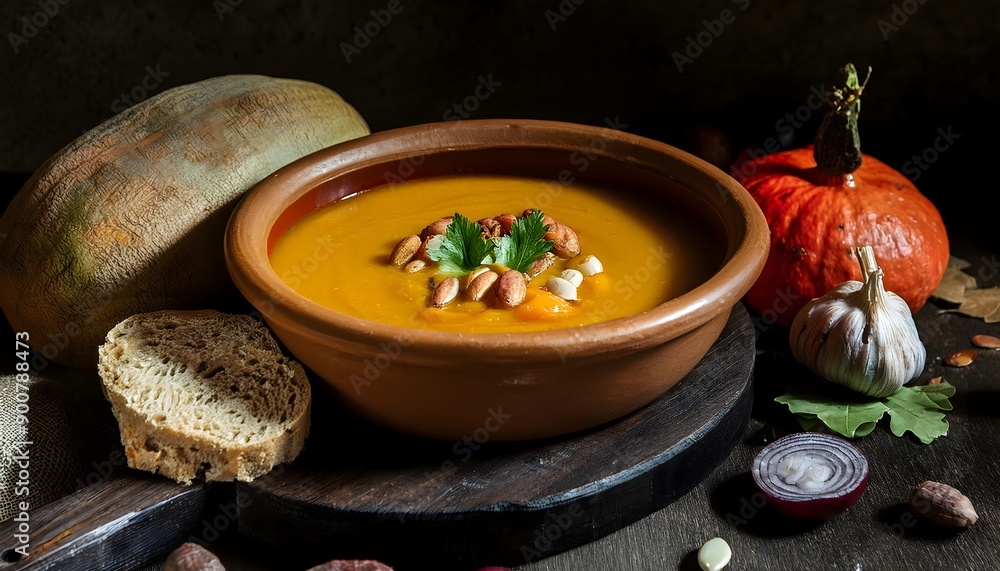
67	65
601	60
934	67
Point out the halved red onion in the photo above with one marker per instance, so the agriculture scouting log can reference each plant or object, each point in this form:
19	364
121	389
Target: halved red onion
810	475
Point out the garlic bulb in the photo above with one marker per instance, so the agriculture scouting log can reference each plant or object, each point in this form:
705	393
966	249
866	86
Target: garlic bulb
859	335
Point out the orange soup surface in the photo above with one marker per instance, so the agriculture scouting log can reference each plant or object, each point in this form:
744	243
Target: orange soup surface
338	256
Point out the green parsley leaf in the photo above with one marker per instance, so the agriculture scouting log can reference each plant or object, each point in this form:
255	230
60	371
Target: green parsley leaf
462	249
916	409
524	244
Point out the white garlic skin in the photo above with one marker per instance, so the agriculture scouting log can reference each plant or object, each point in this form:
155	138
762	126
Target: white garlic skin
860	336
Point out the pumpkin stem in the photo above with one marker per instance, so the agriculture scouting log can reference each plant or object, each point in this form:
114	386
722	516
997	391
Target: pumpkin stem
837	148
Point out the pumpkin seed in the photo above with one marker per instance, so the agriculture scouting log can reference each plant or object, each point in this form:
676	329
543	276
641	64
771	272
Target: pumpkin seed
986	341
961	358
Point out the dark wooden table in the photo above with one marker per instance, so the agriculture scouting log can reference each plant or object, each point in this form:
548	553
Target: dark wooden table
879	532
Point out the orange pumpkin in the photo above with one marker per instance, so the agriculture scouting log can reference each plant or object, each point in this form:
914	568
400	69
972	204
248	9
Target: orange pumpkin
822	200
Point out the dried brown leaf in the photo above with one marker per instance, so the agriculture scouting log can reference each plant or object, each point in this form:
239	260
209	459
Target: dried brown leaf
982	303
955	281
960	288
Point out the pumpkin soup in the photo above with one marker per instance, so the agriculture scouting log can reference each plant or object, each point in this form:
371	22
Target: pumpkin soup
491	253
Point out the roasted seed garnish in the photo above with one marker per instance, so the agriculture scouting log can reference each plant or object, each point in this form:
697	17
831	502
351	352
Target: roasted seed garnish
961	358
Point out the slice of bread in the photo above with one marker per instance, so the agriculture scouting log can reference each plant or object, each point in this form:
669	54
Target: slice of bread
204	394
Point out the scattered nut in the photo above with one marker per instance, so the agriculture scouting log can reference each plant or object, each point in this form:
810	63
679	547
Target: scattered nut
481	284
986	341
714	554
506	221
192	557
943	505
445	292
474	274
351	565
590	266
540	265
490	228
405	250
422	251
961	358
439	226
546	219
565	242
562	287
414	266
574	277
935	381
510	289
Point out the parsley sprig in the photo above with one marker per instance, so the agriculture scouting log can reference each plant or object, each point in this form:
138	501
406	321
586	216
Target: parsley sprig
524	244
462	248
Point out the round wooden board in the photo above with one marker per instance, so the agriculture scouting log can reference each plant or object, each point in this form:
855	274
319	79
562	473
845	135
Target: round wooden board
361	492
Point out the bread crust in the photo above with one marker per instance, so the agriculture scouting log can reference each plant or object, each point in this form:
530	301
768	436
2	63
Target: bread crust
203	394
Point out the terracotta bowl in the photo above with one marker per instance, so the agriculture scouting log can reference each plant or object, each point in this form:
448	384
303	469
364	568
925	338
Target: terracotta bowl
504	386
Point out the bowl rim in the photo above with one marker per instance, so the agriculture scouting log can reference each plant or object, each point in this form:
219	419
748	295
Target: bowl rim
250	224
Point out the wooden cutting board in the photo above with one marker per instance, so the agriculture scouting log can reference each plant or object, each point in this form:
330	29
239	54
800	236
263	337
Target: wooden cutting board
358	491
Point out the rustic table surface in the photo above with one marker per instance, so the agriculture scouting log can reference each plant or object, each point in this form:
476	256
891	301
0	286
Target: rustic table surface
879	532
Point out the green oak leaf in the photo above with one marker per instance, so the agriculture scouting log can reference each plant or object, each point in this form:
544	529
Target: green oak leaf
847	418
916	411
938	393
808	422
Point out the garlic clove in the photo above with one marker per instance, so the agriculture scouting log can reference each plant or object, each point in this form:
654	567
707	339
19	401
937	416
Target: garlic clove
563	288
